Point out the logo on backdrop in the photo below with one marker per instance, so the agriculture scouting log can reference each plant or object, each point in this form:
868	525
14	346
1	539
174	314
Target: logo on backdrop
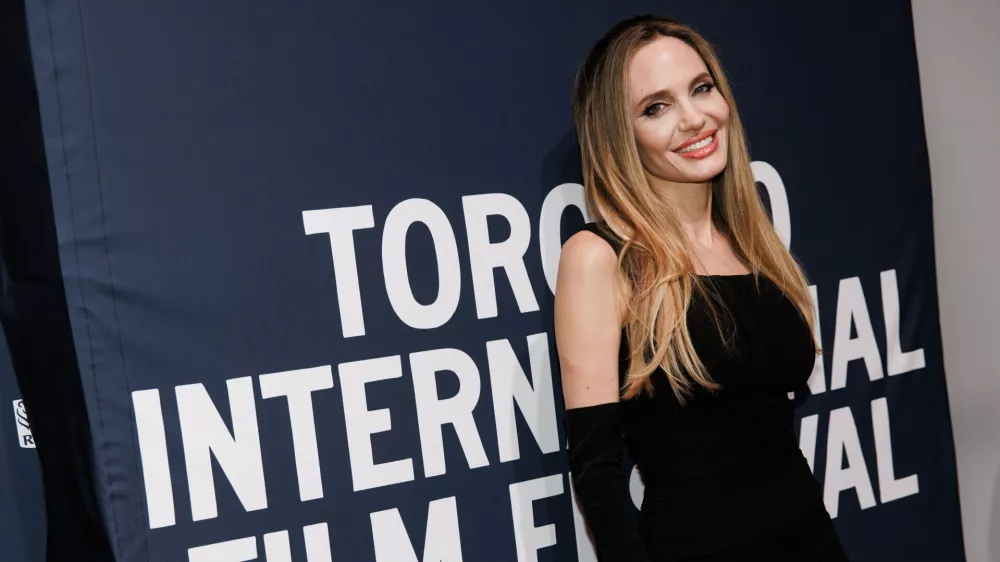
24	437
206	435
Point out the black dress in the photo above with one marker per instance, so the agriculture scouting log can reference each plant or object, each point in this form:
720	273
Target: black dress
724	477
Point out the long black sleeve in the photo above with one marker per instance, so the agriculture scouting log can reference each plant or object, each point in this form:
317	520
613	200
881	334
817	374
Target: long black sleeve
595	459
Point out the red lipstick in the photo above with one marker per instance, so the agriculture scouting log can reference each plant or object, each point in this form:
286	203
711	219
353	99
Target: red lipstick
702	151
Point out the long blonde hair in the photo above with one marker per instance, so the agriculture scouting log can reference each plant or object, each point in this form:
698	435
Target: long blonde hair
654	262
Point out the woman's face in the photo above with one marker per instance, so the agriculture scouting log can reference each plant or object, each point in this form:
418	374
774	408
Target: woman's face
680	119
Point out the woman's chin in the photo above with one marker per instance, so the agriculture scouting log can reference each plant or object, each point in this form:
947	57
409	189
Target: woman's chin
703	171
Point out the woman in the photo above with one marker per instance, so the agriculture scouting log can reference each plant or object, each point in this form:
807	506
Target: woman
682	321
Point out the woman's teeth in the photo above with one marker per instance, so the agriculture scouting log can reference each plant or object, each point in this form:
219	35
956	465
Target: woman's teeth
700	144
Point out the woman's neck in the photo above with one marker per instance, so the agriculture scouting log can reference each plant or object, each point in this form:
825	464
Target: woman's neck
693	204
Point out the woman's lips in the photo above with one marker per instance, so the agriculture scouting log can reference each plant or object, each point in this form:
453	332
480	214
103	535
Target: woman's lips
699	147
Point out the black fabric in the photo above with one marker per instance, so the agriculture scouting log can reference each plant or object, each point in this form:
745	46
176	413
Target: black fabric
595	458
810	540
34	312
723	471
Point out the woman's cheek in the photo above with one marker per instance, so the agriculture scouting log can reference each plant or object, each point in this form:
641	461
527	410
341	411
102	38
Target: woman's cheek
646	142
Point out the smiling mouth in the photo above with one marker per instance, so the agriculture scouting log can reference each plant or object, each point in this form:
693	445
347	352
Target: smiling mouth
698	145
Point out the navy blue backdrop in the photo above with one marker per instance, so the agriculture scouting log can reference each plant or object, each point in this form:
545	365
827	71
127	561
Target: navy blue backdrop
308	247
22	511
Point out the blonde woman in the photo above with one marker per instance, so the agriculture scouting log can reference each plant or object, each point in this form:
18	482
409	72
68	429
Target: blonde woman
682	321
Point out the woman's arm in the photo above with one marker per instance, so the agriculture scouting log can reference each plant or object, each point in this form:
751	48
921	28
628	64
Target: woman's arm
588	320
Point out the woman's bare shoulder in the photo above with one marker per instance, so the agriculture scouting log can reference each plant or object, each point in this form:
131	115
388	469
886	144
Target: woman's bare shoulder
588	253
588	320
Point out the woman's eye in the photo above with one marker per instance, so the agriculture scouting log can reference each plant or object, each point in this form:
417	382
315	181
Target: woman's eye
704	88
654	109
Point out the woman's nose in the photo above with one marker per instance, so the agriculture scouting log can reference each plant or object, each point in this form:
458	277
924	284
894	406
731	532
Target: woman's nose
692	119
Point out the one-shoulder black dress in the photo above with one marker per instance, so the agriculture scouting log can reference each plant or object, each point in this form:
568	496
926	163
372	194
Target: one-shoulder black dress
724	477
